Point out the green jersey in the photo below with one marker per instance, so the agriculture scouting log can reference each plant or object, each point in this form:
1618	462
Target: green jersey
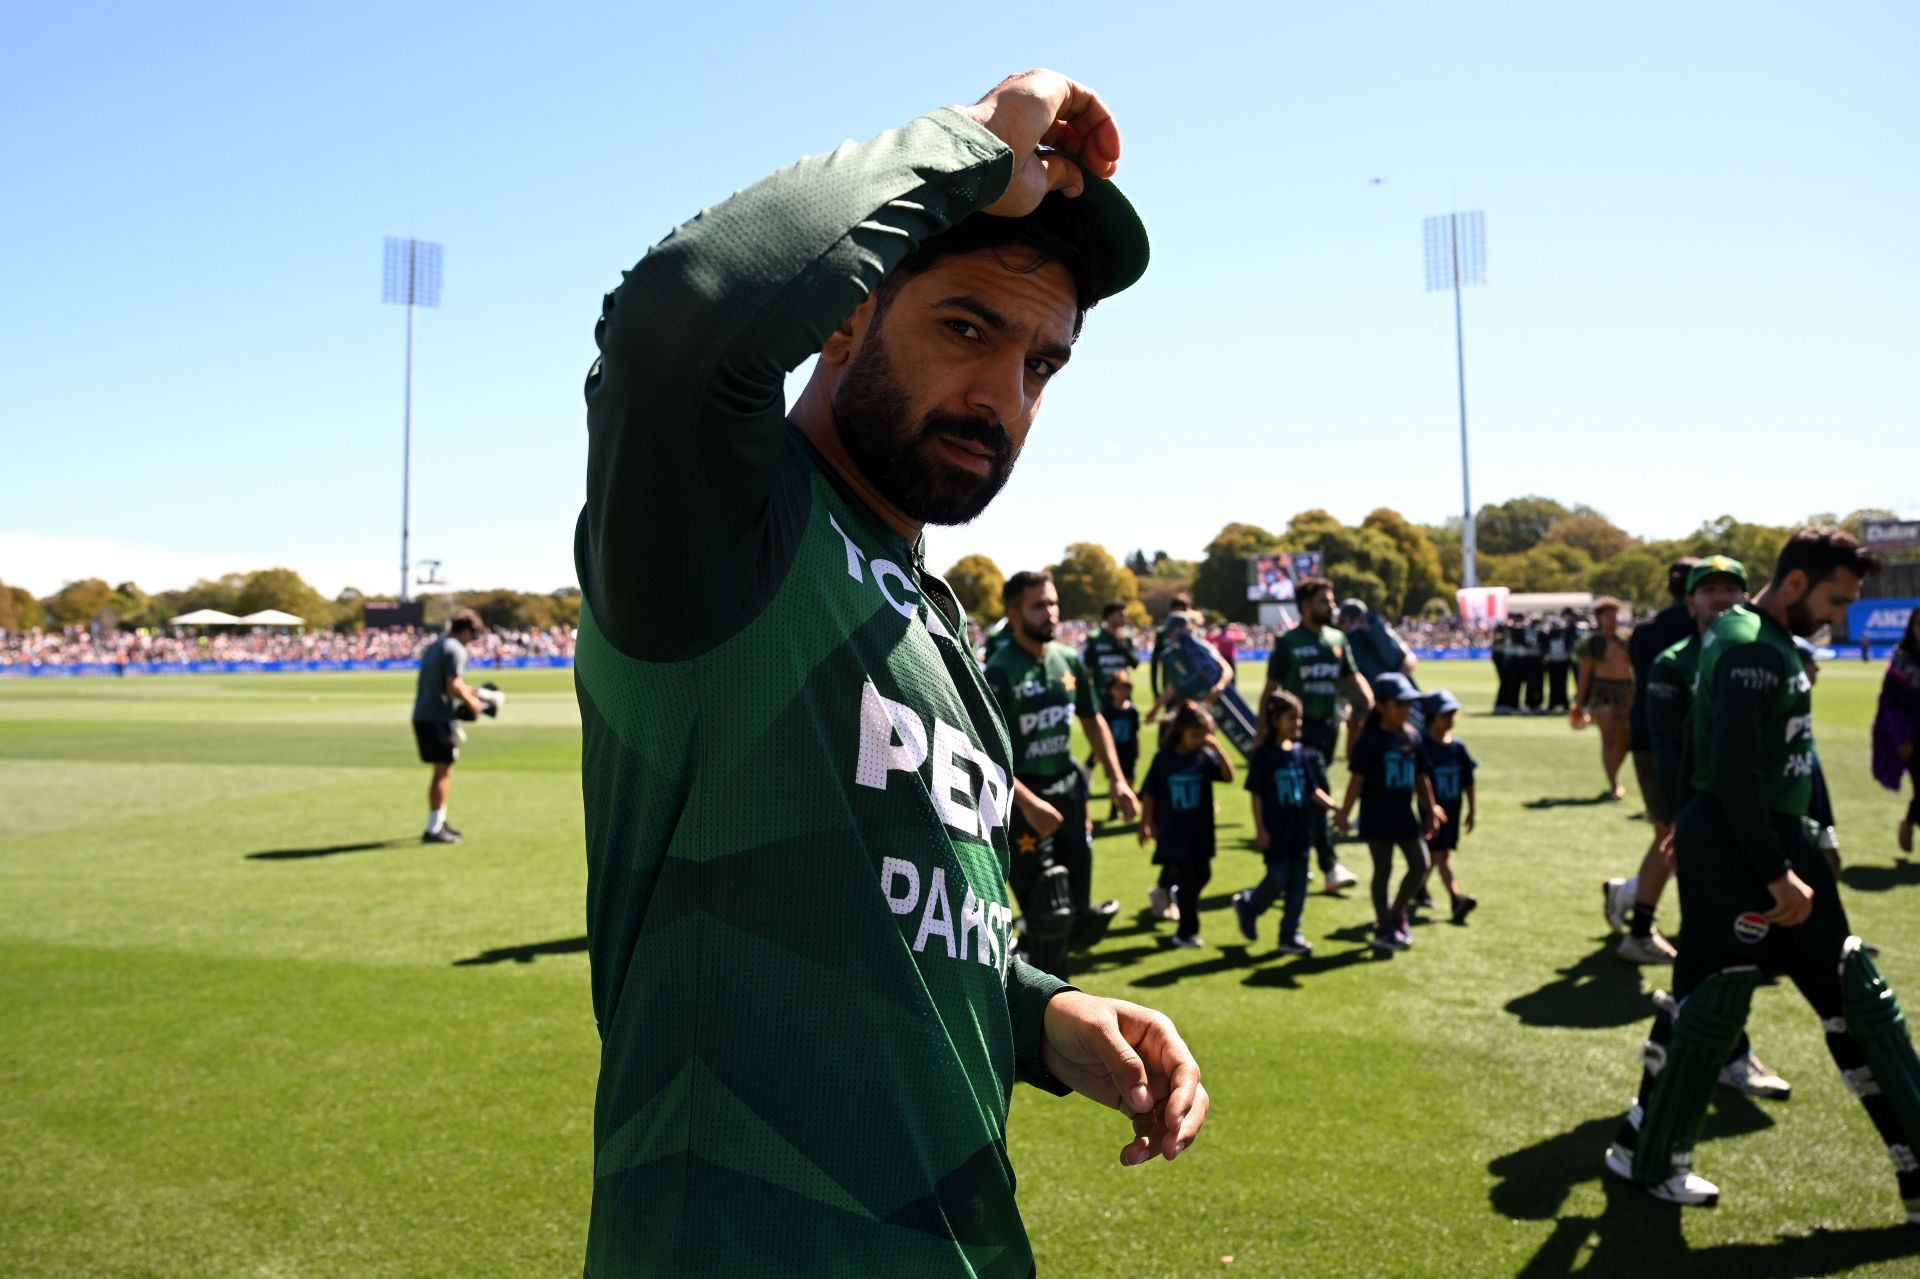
796	782
1752	735
1669	698
1039	696
1311	664
1106	655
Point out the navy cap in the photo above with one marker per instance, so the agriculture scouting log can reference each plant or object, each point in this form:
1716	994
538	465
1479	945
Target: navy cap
1353	608
1394	687
1439	702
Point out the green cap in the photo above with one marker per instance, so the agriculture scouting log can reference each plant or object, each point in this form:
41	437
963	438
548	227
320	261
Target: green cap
1713	564
1122	234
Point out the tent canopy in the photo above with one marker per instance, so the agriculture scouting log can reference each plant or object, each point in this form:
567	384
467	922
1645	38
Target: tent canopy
272	617
205	617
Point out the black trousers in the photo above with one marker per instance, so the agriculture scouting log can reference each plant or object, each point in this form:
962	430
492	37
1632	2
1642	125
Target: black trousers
1533	672
1512	676
1559	681
1191	878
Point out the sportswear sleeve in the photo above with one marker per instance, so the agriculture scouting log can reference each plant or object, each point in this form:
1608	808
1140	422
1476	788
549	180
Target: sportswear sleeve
1468	767
1746	682
1667	704
1317	772
685	411
1421	764
1084	702
1820	808
456	659
1002	689
1028	990
1155	771
1279	662
1361	760
1153	663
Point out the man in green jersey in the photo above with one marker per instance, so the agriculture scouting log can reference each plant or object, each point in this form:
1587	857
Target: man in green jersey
1041	686
1109	650
1314	662
796	782
1756	891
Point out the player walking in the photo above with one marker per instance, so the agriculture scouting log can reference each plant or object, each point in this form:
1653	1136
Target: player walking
1314	661
1757	893
1041	686
796	781
441	692
1606	693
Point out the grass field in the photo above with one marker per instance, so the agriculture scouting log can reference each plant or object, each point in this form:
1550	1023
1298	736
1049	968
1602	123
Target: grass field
250	1027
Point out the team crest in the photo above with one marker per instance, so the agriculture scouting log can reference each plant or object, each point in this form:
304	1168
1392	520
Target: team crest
1751	927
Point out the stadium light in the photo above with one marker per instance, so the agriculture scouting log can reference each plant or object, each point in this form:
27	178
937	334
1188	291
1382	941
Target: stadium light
1457	257
412	278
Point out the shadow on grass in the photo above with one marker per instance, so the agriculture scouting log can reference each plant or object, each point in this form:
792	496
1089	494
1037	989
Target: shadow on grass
1287	976
1636	1236
1108	960
1571	801
524	954
330	850
1229	959
1598	992
1880	879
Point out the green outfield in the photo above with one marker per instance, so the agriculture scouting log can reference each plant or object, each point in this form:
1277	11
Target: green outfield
250	1027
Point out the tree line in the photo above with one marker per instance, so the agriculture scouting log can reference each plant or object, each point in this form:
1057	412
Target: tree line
1397	566
128	607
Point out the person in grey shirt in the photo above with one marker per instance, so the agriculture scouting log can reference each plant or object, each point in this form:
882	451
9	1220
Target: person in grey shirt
438	702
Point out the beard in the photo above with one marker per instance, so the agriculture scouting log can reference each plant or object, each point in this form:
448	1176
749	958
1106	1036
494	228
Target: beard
902	459
1040	632
1800	619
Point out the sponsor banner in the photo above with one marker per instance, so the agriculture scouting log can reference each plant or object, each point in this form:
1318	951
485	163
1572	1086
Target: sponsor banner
1892	535
83	670
1424	654
1879	621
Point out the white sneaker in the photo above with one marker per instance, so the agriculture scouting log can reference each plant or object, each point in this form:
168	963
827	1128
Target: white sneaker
1614	904
1689	1190
1162	903
1340	877
1751	1076
1188	943
1653	949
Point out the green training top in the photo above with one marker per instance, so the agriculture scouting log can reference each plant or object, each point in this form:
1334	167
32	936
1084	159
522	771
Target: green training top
1039	696
1106	655
796	783
1752	736
1669	698
1311	664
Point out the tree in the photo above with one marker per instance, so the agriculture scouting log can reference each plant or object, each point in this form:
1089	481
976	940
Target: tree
1138	562
1638	574
350	610
1446	540
566	606
80	602
222	594
1594	534
505	610
1516	525
977	583
285	590
1755	545
1425	578
19	611
1550	566
1855	522
1087	577
1221	582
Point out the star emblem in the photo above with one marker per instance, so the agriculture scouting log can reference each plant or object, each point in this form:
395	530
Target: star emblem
1067	681
1027	843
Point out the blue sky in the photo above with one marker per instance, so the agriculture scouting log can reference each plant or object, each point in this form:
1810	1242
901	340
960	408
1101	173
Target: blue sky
1701	228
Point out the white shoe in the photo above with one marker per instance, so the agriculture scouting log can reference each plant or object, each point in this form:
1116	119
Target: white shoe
1653	949
1751	1076
1614	904
1689	1190
1162	903
1188	943
1340	877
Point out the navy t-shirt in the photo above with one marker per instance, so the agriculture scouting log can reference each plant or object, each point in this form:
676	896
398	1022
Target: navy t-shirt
1124	724
1389	762
1181	787
1285	780
1451	767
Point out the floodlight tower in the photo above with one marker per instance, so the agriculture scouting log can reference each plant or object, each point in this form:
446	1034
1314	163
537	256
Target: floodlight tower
412	279
1457	257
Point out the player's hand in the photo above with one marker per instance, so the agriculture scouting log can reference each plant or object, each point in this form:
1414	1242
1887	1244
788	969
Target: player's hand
1579	719
1262	840
1792	901
1125	802
1043	817
1340	823
1469	822
1045	108
1146	833
1436	818
1132	1059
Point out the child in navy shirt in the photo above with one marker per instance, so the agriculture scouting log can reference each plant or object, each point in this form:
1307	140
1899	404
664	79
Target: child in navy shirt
1123	721
1452	769
1176	810
1389	775
1287	781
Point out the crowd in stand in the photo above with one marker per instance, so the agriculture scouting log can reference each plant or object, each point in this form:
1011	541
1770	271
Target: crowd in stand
81	646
